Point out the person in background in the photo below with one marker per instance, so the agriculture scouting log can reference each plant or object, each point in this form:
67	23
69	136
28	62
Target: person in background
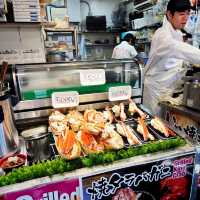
125	49
164	69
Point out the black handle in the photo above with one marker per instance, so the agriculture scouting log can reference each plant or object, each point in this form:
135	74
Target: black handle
1	114
14	100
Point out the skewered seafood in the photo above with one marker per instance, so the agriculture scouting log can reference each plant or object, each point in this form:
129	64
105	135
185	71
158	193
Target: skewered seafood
126	130
111	139
134	109
57	122
143	130
89	143
160	126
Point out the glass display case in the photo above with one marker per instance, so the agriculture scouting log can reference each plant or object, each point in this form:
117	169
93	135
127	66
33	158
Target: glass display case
35	83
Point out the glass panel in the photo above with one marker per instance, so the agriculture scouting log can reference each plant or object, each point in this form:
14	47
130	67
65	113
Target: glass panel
41	81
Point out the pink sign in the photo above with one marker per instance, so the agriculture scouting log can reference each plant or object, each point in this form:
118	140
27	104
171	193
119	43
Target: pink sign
63	190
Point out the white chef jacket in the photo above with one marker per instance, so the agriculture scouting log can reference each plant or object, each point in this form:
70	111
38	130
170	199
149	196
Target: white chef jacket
164	69
124	50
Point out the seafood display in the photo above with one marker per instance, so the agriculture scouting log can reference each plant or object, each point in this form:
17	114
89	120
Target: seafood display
80	133
160	126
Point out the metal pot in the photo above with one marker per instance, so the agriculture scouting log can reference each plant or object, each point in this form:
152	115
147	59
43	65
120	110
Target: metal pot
37	143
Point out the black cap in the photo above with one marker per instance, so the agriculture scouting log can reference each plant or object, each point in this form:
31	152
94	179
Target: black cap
178	5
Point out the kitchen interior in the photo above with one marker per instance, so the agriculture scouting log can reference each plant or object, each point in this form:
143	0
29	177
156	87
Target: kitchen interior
89	33
46	45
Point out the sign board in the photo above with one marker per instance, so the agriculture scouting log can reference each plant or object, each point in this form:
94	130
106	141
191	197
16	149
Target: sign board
92	77
63	190
65	99
164	179
119	93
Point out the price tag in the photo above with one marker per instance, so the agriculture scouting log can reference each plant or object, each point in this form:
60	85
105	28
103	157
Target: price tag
65	99
119	93
92	77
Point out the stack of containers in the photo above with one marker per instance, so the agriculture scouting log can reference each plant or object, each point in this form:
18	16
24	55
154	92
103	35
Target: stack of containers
26	10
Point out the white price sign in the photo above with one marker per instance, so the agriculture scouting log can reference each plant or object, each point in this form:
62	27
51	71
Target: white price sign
119	93
65	99
92	77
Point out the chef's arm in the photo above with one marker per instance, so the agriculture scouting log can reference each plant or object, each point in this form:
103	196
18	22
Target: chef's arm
181	50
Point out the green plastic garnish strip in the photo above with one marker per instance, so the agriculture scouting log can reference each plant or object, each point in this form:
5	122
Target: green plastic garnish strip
46	93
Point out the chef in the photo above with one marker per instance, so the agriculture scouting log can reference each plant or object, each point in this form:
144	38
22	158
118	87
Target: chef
125	49
164	69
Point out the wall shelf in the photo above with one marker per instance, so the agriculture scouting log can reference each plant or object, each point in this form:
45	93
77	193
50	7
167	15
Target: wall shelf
20	24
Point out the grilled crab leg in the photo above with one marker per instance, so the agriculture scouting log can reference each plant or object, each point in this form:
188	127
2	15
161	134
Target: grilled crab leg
134	109
160	126
143	130
122	112
126	131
